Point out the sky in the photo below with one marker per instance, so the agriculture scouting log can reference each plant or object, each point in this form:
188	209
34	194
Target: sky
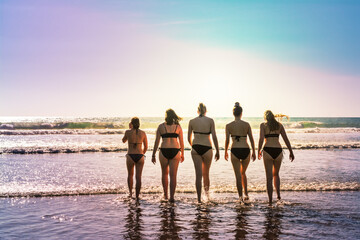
138	58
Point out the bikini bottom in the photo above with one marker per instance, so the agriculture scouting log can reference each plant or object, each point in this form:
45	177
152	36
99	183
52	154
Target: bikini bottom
169	153
241	153
201	149
274	152
136	157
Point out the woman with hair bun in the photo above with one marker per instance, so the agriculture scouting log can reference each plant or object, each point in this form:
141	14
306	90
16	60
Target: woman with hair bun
136	138
273	153
202	152
239	130
171	150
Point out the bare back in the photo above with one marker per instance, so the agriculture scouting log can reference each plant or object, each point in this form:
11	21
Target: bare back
135	140
201	128
271	141
172	142
238	131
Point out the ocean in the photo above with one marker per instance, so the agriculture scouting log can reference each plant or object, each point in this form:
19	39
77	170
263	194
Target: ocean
66	178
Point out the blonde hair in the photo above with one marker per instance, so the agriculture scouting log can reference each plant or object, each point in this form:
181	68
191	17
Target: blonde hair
202	109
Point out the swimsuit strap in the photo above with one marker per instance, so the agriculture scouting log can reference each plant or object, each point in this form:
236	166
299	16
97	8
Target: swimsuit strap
272	135
166	130
205	133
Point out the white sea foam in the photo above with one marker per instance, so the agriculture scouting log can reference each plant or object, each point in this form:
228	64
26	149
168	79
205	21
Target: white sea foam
52	190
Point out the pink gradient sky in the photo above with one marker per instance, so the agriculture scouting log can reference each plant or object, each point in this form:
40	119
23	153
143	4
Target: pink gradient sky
65	59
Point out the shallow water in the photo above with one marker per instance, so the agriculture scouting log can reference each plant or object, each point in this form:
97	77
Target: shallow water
84	194
97	173
303	215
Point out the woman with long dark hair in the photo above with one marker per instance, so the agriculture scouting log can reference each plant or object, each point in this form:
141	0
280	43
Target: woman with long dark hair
239	130
272	151
171	150
202	152
137	147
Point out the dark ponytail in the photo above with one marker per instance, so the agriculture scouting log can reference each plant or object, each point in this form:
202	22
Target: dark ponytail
135	122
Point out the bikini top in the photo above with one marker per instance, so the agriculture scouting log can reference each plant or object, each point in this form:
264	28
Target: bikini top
170	135
272	135
204	133
237	137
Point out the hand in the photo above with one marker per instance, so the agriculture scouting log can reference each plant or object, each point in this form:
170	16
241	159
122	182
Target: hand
253	156
259	155
217	155
182	157
153	159
226	156
291	156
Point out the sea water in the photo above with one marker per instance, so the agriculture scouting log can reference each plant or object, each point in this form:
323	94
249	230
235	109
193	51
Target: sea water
83	193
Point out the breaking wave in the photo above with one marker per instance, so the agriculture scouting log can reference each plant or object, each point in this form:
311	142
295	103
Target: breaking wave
312	186
53	150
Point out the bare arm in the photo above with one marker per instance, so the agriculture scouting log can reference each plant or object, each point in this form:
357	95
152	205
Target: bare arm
287	142
190	133
145	143
227	141
124	139
156	145
181	139
261	140
214	138
252	143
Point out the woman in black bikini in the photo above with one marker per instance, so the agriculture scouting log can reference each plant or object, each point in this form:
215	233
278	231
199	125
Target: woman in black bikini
135	157
201	152
171	150
239	130
273	154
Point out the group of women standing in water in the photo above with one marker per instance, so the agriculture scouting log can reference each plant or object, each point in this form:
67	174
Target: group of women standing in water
172	150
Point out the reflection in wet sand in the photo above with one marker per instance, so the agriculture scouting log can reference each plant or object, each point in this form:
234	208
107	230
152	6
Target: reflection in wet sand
241	224
201	223
273	219
169	222
133	222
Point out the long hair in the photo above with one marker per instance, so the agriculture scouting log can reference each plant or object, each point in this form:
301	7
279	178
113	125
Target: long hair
202	109
171	117
135	122
271	121
237	110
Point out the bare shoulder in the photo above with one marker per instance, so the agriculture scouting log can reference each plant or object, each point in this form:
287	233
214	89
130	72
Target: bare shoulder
126	132
230	125
262	125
